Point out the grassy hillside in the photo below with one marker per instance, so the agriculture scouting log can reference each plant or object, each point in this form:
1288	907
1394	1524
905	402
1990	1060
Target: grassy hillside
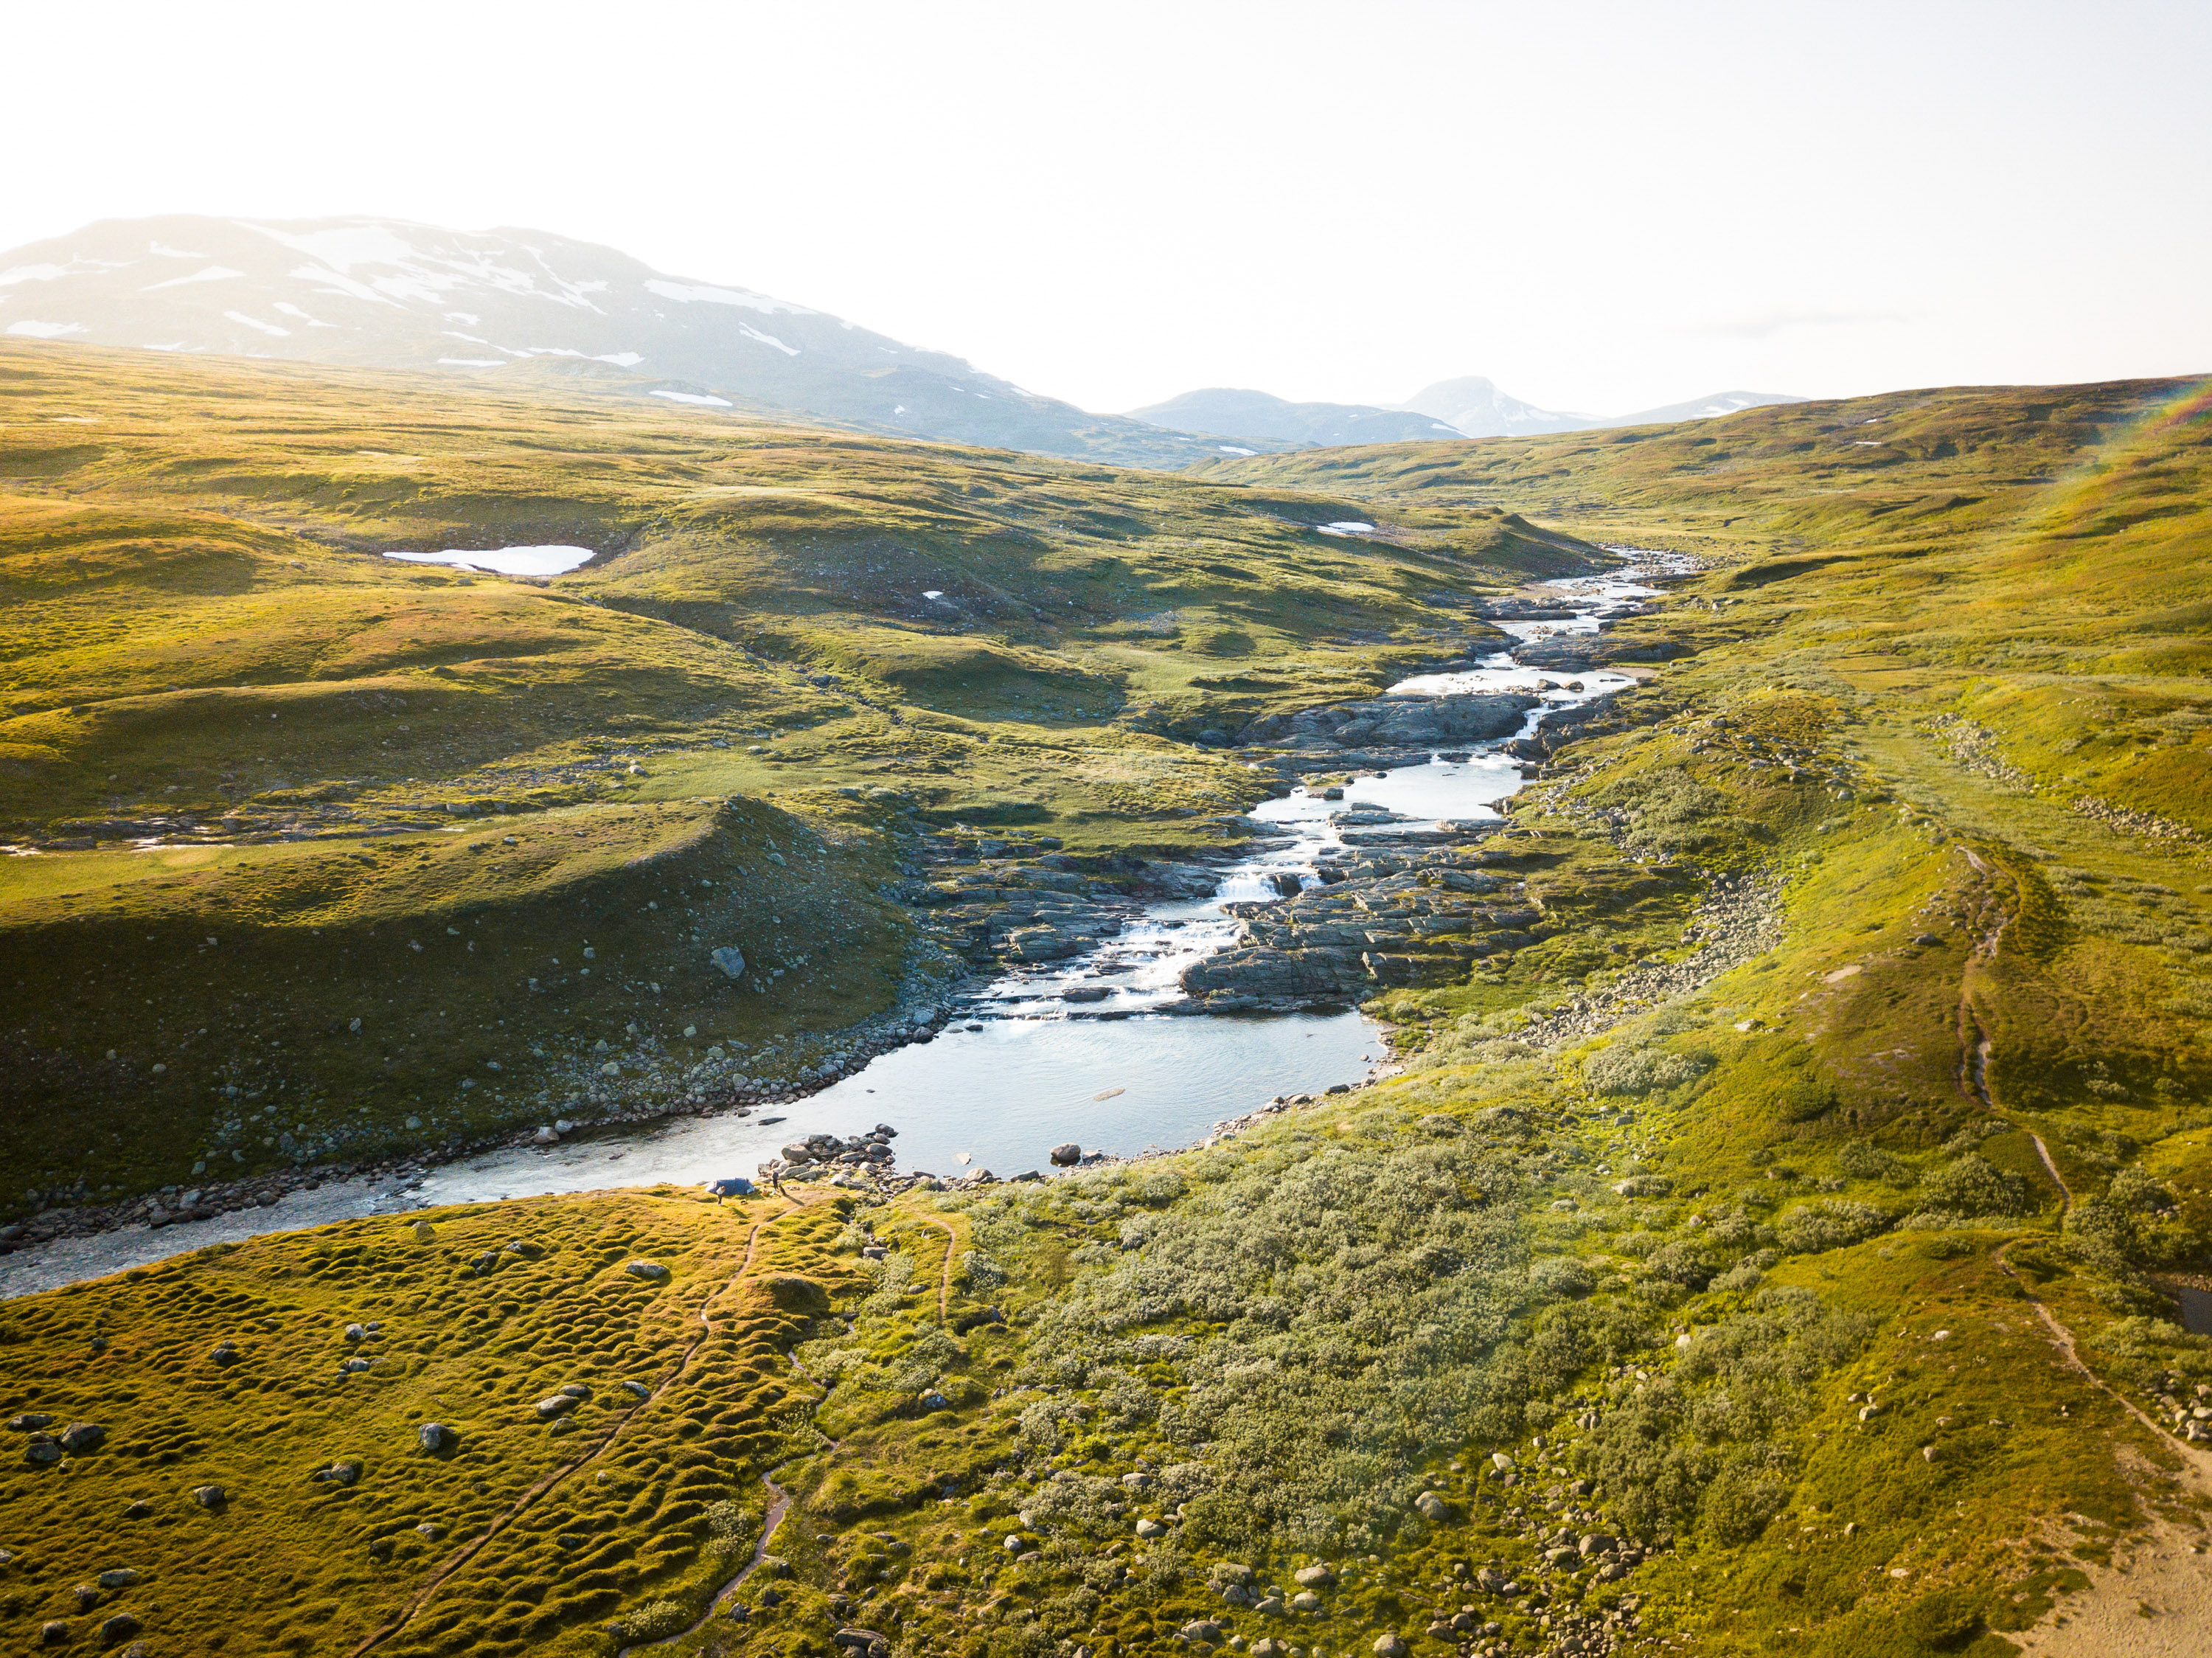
225	716
1775	1250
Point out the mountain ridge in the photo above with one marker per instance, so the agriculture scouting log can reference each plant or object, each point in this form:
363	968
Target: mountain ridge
363	291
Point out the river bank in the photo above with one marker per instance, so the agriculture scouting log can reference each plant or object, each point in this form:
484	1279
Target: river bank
1128	1016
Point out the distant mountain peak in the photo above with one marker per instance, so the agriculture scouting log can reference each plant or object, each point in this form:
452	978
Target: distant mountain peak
1260	415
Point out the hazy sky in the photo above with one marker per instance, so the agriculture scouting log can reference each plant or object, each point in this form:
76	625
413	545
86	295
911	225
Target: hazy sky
1601	207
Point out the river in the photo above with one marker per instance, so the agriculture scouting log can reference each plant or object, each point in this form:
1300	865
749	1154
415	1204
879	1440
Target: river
1025	1069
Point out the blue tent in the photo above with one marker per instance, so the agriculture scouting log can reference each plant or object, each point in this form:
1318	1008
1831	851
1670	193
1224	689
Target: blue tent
732	1187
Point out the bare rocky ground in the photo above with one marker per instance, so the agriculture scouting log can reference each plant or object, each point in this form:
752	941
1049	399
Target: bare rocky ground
1739	920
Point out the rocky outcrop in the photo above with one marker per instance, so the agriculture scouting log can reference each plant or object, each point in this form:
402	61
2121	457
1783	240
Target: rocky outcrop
1415	916
1574	652
1393	723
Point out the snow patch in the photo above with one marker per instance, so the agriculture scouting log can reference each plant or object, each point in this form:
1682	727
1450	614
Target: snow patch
1346	527
469	317
685	293
213	273
751	332
1231	448
620	359
343	246
694	397
345	287
473	361
240	318
28	329
504	561
312	321
31	273
161	250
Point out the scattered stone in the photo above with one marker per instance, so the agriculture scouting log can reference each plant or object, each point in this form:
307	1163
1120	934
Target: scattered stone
29	1422
652	1271
338	1473
730	959
121	1627
931	1399
1147	1530
81	1436
209	1497
430	1529
1068	1155
43	1449
1387	1645
1433	1507
54	1633
546	1136
424	1233
119	1577
432	1436
1318	1576
557	1404
1203	1629
225	1355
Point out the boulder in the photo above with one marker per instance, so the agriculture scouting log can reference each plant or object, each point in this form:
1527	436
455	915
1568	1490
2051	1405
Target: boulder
555	1404
1387	1645
43	1449
29	1422
1433	1507
1202	1629
1147	1530
651	1272
81	1436
730	959
119	1577
209	1497
432	1436
1318	1576
1068	1155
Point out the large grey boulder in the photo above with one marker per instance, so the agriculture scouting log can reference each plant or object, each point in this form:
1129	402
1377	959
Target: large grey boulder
730	959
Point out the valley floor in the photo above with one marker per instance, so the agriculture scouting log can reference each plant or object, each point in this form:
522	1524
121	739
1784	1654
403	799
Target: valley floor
1775	1245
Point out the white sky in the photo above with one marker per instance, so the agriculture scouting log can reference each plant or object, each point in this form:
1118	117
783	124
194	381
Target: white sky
1601	207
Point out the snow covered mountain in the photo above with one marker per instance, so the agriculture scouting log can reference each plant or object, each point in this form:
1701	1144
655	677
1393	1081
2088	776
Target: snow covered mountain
1474	407
1703	408
1257	415
381	293
1477	408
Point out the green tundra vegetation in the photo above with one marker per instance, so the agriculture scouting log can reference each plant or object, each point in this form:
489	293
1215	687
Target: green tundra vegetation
1819	1299
325	841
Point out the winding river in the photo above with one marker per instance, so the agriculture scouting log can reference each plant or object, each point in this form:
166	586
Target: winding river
1021	1068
